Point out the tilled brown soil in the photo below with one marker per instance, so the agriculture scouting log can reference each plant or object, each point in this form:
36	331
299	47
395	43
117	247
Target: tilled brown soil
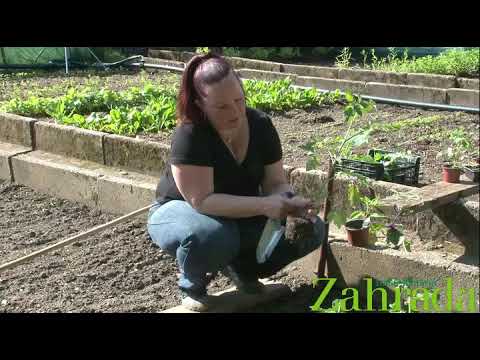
297	127
117	270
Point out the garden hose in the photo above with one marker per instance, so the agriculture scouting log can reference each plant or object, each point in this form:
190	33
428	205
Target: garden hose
75	64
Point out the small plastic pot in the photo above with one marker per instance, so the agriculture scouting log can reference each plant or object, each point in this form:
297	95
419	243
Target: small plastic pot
357	233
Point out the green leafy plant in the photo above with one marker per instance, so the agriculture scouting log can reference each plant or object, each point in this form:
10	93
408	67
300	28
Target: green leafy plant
458	150
437	136
343	145
368	209
128	112
458	62
202	50
280	95
392	161
362	206
151	108
344	58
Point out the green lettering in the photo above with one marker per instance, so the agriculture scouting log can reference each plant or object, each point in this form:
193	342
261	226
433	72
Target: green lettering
354	297
448	304
459	300
435	306
370	292
471	300
425	298
397	305
323	295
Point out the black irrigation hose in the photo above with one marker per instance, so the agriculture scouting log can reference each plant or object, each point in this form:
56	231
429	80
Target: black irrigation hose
125	61
408	102
75	64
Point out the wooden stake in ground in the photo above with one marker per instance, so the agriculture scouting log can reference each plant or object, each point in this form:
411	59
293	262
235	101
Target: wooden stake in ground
73	239
322	264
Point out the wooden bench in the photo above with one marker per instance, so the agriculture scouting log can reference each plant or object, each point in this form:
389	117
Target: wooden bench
442	198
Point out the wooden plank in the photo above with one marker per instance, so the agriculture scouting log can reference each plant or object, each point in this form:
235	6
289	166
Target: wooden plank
428	197
231	300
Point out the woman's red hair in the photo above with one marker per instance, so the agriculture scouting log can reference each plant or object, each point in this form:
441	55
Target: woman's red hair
201	70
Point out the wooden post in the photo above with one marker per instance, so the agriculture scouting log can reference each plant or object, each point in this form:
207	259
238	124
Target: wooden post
322	264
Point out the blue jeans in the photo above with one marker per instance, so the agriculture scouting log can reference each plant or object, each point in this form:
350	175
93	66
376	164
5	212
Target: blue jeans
206	244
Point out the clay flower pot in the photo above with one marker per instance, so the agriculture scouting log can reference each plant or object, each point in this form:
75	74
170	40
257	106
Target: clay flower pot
450	174
357	234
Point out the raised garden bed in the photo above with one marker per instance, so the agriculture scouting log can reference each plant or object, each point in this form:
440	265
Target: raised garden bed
397	128
121	270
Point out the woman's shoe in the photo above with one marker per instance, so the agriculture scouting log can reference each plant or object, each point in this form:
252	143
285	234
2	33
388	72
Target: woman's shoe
196	301
247	286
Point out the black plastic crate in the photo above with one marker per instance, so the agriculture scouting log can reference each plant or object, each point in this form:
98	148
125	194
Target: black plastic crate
407	172
373	171
472	172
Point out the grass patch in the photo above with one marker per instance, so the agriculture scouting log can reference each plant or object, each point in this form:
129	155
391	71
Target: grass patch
399	125
456	62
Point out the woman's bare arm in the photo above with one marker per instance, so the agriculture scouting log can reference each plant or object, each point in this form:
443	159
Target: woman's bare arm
195	183
275	180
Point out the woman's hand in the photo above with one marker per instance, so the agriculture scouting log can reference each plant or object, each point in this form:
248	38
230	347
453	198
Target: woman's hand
302	207
276	206
279	207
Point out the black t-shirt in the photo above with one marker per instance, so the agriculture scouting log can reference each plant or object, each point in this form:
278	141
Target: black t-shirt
201	145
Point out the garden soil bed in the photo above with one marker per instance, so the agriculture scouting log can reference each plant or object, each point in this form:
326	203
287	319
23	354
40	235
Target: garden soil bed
297	127
117	270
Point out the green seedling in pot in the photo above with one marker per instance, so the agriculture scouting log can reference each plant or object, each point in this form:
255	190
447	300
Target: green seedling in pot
456	155
459	147
452	157
366	215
